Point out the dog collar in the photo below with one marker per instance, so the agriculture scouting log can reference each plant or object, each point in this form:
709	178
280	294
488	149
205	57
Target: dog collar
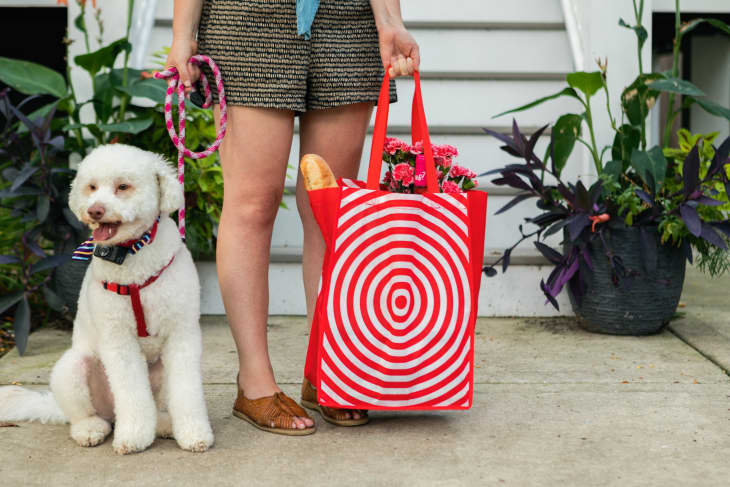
115	253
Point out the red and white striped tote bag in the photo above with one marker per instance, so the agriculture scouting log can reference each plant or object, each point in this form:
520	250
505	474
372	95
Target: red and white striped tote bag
394	321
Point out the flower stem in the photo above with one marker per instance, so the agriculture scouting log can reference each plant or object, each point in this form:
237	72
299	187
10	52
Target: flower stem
594	149
125	96
675	73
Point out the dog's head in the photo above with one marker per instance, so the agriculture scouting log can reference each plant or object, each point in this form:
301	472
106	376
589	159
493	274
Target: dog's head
120	190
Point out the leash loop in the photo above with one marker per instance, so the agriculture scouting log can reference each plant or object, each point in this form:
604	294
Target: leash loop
174	85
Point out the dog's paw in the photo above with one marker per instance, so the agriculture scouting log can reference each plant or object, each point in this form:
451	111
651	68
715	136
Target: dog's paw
90	431
131	440
164	425
195	437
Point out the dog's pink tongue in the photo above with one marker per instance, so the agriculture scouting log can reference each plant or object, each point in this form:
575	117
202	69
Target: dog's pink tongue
104	231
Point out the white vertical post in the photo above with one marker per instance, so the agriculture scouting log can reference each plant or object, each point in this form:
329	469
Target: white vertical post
143	19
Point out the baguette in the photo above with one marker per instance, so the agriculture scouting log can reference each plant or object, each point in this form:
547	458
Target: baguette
317	174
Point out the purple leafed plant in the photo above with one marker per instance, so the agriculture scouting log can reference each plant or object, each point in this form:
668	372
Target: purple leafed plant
683	195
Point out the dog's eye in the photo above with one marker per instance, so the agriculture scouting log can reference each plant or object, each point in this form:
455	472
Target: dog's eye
123	187
92	187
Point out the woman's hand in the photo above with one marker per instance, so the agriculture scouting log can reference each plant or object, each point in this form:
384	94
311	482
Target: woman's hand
399	50
180	52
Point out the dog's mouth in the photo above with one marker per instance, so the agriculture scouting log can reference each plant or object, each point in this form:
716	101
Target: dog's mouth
105	231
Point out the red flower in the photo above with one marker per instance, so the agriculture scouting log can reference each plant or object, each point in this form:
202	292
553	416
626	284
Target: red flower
450	187
393	145
403	172
417	148
445	150
602	218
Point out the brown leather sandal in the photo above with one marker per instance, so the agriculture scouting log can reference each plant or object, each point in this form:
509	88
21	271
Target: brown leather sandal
334	416
274	414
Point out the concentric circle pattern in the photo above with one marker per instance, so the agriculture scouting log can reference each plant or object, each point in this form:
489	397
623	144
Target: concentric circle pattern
398	331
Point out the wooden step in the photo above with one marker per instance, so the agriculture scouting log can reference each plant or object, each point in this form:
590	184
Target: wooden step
520	256
516	293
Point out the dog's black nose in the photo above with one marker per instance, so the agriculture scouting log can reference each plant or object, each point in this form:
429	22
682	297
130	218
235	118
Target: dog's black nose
96	211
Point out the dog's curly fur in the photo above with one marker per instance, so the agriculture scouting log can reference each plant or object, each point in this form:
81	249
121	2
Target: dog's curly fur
144	386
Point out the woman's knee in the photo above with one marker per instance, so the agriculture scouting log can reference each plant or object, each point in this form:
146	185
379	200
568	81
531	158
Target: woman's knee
253	209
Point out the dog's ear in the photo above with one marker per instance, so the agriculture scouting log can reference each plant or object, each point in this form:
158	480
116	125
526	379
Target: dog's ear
171	191
75	201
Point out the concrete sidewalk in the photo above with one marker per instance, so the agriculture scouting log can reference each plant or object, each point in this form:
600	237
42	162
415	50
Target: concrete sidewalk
553	406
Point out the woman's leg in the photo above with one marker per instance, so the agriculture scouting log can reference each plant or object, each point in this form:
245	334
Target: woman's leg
336	134
254	157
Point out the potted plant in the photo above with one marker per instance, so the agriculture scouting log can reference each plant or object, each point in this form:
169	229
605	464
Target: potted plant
37	151
37	227
627	235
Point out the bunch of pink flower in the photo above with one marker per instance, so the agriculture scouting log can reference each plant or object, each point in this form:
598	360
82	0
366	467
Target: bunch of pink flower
401	176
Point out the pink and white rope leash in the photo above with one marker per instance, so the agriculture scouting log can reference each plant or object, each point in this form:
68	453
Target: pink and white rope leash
173	85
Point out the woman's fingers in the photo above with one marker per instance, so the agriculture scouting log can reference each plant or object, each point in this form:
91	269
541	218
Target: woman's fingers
180	53
194	71
402	66
182	69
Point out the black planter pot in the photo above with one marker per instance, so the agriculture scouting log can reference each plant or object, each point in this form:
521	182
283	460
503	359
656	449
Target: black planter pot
642	304
68	277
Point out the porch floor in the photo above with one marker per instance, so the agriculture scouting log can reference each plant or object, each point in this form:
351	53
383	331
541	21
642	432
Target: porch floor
553	405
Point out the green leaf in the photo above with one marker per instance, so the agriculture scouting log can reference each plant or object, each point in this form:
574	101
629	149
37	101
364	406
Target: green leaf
626	140
21	325
637	99
31	78
713	108
565	92
117	77
131	126
719	24
44	204
565	132
154	89
103	97
613	169
676	85
79	22
8	300
640	31
652	163
692	25
93	62
588	83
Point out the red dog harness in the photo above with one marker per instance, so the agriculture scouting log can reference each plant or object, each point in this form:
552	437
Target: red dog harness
132	290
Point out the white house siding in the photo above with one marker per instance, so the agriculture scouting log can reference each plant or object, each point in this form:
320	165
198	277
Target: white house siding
479	57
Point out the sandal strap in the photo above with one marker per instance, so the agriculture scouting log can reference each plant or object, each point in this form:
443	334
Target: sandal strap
276	411
309	393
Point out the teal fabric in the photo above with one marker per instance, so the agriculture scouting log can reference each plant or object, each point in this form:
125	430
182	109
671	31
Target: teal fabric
306	10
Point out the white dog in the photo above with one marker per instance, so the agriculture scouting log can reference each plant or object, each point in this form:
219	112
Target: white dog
113	373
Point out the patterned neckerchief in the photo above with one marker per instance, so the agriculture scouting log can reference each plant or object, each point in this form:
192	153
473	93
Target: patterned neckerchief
86	249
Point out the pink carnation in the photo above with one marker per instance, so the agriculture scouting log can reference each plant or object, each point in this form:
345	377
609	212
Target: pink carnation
458	171
445	150
393	145
450	187
403	172
417	148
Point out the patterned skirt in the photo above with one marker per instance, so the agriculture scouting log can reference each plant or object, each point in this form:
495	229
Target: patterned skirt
264	63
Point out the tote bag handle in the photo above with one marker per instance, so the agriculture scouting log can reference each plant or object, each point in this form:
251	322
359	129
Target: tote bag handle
419	131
